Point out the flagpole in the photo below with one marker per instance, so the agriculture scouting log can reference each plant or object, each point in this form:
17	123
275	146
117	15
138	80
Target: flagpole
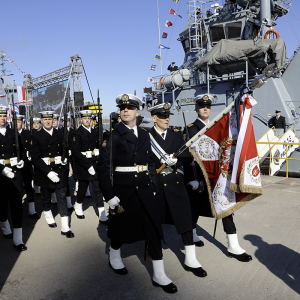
159	38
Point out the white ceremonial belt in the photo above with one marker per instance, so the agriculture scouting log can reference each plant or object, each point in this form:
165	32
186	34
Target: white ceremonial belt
169	170
87	154
48	160
11	161
137	169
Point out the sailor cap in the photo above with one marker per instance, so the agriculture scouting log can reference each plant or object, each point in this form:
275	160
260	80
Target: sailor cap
160	109
277	111
3	109
20	117
128	99
36	120
204	99
46	114
55	116
86	113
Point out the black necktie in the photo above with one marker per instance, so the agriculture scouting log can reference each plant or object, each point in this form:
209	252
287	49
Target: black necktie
132	130
163	135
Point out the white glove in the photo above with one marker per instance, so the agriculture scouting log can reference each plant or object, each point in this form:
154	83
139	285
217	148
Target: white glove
28	155
194	184
64	162
70	153
113	202
20	164
91	170
170	160
8	172
53	177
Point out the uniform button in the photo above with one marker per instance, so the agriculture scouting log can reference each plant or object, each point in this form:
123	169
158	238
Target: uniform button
176	172
15	171
60	167
51	169
135	175
137	187
135	153
2	145
48	145
147	151
49	153
148	184
165	184
96	162
134	164
164	174
177	182
2	154
147	173
26	140
57	152
58	145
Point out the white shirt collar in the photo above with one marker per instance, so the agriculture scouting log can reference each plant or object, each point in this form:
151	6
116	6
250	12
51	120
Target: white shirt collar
3	130
160	133
135	131
202	121
20	131
50	132
88	129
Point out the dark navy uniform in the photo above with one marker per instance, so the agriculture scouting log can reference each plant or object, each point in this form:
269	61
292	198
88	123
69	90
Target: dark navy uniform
134	189
27	169
83	142
279	122
44	145
11	189
200	201
172	197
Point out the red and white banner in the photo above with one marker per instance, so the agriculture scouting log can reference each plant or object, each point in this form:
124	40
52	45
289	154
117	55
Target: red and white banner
228	159
21	94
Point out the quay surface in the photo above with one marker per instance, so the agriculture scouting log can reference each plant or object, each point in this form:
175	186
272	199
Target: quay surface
57	268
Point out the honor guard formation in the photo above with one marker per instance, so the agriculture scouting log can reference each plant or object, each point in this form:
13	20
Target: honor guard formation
133	169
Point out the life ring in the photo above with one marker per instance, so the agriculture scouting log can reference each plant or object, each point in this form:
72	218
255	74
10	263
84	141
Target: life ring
272	30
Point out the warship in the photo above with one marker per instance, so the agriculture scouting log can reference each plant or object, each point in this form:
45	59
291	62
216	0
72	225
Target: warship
227	47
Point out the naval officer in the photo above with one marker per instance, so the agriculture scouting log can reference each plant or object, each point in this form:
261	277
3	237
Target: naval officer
11	182
172	198
278	121
51	172
84	145
134	213
202	208
27	169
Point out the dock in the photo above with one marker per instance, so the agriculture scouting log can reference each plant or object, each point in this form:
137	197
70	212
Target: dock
57	268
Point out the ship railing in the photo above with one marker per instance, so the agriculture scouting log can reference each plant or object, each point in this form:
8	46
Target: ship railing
277	155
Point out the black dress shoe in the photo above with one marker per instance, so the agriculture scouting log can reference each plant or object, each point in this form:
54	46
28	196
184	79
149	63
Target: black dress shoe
170	288
119	271
53	225
199	244
104	222
80	217
69	234
34	216
241	257
70	209
20	247
8	236
196	271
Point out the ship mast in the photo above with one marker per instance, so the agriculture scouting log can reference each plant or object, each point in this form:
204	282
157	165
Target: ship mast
159	37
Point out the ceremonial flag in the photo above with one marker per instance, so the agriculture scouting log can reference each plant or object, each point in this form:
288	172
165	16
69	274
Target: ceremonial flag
164	35
21	94
175	1
163	47
157	57
153	67
173	12
228	159
168	24
150	79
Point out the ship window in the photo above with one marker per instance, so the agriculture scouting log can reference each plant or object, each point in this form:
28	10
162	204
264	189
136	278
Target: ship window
186	45
217	33
233	30
15	91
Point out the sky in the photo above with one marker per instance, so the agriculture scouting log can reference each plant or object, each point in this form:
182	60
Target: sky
117	40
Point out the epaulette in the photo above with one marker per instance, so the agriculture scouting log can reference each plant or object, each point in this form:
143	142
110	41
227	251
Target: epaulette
190	125
109	129
176	130
144	129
